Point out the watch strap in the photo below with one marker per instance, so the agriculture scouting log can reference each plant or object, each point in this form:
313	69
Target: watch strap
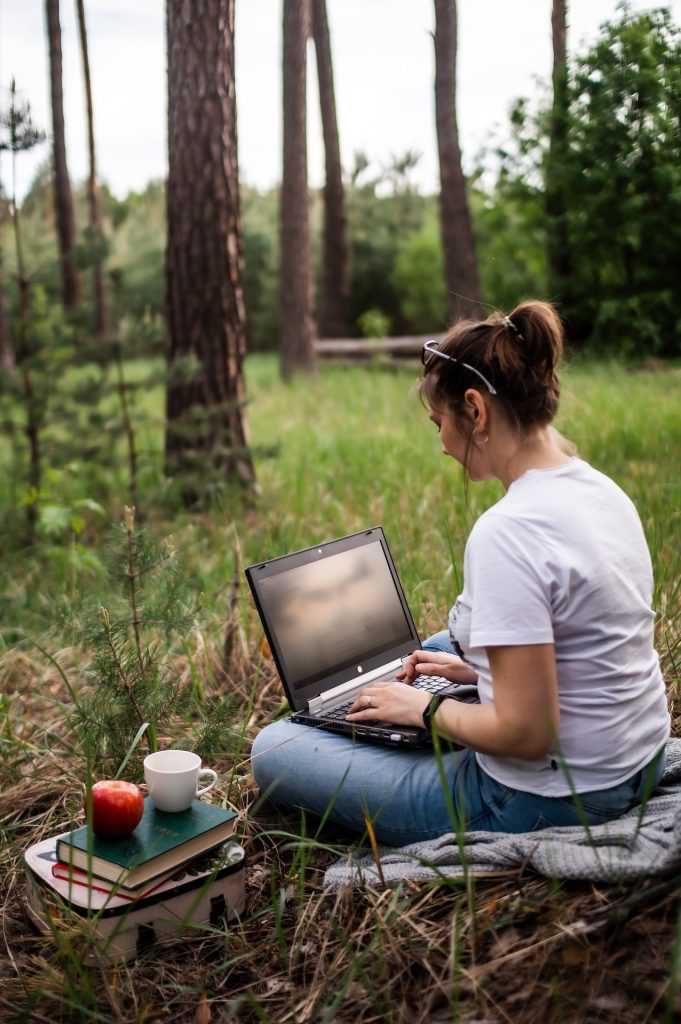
430	709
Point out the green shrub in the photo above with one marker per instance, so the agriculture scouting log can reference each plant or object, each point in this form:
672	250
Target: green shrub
419	277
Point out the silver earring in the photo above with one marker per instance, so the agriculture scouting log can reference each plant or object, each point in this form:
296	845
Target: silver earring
480	440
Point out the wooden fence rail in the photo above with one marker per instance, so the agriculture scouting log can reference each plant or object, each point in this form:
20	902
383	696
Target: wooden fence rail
362	350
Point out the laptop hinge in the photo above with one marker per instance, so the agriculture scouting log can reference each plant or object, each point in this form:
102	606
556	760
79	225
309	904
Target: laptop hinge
337	694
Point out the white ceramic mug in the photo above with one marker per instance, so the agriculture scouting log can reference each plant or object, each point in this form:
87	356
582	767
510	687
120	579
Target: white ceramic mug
172	778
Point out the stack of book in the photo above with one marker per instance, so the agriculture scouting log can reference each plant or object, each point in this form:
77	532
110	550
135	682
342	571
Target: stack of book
175	871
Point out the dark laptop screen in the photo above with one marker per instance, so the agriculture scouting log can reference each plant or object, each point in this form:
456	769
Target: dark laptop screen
330	614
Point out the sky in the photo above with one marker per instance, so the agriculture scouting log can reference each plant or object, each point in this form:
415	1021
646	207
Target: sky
383	70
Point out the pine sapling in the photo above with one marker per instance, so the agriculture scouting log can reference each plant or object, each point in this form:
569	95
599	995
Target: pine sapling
135	684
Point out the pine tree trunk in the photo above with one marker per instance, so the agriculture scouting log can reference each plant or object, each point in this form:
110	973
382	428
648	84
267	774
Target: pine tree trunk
334	298
7	360
558	249
458	239
94	208
24	354
296	324
63	200
206	316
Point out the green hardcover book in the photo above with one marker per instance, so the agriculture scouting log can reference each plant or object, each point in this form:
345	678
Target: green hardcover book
160	842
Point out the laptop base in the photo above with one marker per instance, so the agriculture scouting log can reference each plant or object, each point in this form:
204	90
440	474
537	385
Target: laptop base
381	734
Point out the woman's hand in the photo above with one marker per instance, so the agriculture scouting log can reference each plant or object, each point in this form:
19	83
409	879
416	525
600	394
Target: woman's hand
436	663
390	702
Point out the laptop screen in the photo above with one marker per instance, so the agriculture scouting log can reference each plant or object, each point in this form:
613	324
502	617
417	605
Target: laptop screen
337	612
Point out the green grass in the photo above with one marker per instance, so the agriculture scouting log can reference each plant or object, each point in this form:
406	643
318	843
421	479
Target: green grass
341	452
352	448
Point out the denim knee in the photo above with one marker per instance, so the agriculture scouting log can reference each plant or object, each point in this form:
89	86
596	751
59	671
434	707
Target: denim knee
439	642
266	763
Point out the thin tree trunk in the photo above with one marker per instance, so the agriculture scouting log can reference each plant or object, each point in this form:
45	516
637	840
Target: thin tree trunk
458	239
24	353
206	317
334	299
7	360
296	324
94	207
63	200
558	248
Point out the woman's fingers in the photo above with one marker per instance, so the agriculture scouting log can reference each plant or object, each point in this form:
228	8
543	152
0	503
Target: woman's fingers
435	660
365	701
373	697
435	668
436	663
392	702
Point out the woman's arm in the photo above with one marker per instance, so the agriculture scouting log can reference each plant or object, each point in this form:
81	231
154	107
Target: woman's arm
522	721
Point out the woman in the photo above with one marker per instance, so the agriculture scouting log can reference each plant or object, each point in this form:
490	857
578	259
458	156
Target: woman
554	623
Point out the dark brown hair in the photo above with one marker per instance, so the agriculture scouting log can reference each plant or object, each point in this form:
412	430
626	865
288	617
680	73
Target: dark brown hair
518	354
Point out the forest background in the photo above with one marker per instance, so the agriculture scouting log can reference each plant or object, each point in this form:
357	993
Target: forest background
507	198
148	387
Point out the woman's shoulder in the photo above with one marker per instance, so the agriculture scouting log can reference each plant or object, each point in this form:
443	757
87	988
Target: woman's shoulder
555	486
545	504
502	524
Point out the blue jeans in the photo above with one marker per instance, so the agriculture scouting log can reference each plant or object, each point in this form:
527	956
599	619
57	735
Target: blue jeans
413	795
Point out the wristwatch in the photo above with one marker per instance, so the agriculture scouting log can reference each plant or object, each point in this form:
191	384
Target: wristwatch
431	707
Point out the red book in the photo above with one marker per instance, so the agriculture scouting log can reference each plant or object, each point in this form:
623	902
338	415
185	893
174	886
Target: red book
77	877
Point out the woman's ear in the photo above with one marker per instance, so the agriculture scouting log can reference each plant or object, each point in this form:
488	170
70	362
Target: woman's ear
476	410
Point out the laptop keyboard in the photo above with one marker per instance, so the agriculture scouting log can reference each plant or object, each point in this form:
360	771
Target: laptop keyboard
432	684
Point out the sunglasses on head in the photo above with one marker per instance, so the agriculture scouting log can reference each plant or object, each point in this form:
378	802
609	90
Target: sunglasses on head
431	349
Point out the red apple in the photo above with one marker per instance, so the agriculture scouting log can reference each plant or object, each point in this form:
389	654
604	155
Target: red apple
117	807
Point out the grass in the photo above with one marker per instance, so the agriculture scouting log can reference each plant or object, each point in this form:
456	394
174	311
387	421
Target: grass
352	448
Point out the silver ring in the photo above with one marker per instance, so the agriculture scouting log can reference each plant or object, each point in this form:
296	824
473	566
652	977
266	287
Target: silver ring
369	701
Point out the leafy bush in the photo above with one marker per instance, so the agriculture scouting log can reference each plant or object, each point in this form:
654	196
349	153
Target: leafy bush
419	277
261	276
624	183
138	251
374	324
511	237
621	179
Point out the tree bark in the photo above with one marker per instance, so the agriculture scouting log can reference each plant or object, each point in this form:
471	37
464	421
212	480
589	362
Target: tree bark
296	323
94	206
334	298
7	357
206	318
458	239
24	354
7	360
558	248
63	200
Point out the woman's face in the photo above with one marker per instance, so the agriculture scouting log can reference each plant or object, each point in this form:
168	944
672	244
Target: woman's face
458	445
453	442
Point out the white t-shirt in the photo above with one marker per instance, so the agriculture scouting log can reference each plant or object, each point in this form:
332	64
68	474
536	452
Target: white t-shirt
562	559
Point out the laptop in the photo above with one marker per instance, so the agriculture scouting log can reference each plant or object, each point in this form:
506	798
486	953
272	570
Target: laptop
336	619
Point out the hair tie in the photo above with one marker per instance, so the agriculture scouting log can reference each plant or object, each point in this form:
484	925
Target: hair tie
512	327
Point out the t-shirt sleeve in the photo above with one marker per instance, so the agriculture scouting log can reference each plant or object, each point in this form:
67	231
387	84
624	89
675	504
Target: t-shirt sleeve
509	585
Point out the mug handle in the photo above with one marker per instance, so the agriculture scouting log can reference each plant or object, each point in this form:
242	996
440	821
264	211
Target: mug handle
207	771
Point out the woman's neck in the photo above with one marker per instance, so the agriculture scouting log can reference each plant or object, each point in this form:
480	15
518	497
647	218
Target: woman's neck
539	450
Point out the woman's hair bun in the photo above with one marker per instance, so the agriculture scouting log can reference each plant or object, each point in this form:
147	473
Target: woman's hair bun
540	334
527	347
518	352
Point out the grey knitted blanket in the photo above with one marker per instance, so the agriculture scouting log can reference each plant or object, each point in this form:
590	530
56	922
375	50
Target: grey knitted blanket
635	845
